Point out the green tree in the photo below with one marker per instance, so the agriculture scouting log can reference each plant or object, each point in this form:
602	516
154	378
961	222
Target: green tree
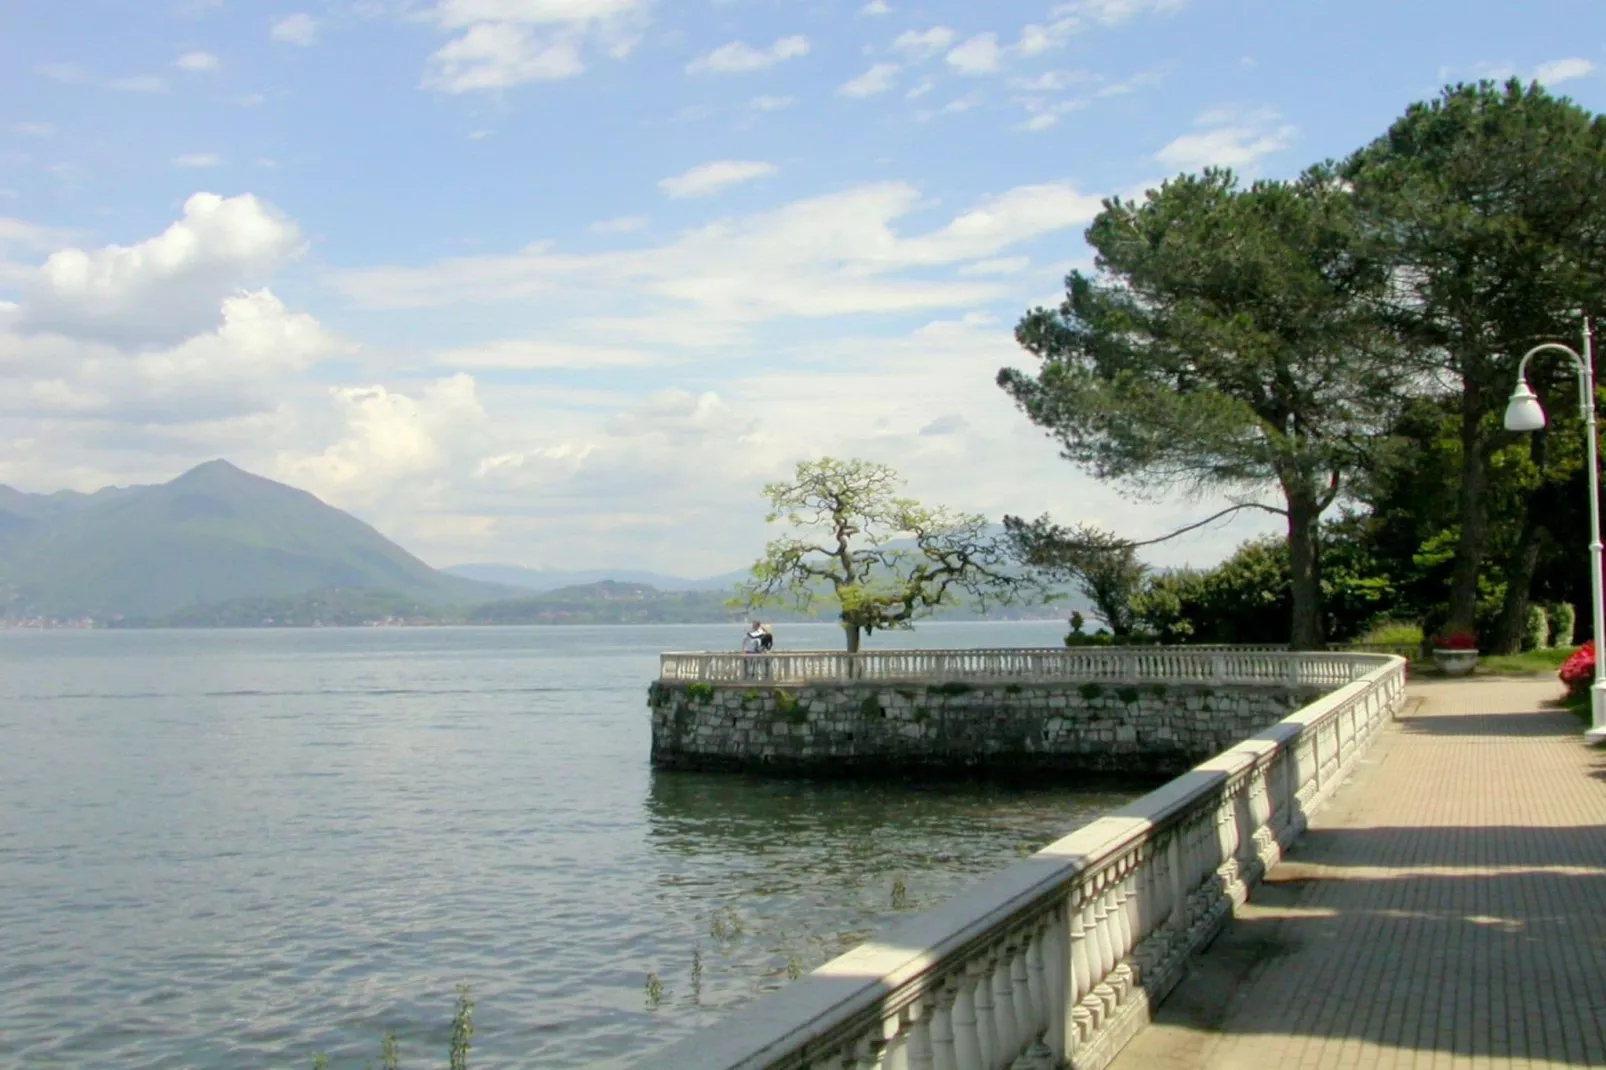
1223	345
882	560
1489	204
1104	567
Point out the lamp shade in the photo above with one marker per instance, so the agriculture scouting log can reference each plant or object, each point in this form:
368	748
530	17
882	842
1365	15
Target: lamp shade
1523	412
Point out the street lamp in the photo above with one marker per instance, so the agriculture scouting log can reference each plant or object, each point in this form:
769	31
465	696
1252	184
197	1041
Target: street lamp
1524	413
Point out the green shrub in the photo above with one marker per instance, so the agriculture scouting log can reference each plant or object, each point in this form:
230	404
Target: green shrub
1091	691
790	707
871	706
1536	630
1391	633
1563	620
1128	695
702	693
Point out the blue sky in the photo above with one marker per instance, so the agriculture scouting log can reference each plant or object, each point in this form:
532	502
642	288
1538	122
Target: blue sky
563	282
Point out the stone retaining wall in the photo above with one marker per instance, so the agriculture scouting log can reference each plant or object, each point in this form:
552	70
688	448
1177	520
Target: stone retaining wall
842	728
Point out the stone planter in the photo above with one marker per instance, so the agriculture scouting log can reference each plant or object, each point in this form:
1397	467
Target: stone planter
1455	662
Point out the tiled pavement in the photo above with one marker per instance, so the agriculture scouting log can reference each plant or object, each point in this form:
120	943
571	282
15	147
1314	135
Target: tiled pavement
1446	911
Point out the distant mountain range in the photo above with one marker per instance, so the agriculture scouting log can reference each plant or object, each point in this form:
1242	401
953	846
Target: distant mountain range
551	579
219	547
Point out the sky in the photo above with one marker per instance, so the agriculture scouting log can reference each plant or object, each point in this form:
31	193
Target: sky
564	283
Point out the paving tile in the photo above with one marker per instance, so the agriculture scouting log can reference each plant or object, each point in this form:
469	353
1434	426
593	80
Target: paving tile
1446	909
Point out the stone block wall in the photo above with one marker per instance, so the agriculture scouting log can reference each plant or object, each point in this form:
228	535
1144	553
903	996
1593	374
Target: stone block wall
854	728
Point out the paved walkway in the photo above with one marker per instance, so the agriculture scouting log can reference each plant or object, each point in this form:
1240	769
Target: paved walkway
1446	911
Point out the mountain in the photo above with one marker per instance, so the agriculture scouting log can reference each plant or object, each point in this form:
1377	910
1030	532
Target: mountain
610	602
215	534
551	579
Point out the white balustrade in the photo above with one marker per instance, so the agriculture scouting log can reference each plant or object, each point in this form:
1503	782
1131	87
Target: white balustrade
1055	961
1224	665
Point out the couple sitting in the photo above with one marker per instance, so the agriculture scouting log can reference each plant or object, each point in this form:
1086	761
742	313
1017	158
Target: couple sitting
758	640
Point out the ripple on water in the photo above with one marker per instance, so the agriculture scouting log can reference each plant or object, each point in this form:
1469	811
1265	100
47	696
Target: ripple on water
238	849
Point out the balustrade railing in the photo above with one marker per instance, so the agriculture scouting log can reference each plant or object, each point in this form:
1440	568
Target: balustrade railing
1156	664
1055	961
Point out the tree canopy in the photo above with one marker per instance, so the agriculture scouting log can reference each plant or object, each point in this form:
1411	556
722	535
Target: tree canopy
883	560
1488	206
1222	345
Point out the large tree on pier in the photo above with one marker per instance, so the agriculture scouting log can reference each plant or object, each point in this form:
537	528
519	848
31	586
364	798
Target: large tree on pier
881	560
1224	344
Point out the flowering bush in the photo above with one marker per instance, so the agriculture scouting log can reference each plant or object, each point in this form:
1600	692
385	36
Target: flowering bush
1456	641
1578	671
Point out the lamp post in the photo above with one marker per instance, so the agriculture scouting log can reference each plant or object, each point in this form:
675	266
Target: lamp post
1524	413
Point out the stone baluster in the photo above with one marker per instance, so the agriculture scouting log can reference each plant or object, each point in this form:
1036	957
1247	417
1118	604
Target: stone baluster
980	977
1032	988
944	1052
1079	974
1006	1038
967	1034
917	1053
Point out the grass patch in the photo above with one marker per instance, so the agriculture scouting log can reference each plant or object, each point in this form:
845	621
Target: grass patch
1532	663
1578	705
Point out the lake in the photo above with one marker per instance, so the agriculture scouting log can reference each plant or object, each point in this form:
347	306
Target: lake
240	848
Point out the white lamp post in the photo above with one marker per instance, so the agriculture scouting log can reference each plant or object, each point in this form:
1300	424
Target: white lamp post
1524	413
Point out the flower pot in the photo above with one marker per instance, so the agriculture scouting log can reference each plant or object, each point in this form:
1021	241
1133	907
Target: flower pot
1455	662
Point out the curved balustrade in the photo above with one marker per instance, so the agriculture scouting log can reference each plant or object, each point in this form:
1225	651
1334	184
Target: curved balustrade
1152	664
1055	961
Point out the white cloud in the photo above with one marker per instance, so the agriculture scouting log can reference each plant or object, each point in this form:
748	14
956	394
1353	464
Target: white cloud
978	55
299	29
505	43
1066	20
712	177
390	439
621	225
738	57
765	102
241	366
1009	265
878	79
876	7
1563	70
528	354
499	55
197	159
165	288
197	62
925	86
923	44
35	129
1229	139
836	254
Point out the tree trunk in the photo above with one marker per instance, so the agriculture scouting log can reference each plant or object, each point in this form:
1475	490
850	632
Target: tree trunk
852	633
1304	567
1473	543
1513	622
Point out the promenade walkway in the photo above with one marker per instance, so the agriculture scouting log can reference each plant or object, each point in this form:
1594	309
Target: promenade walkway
1447	910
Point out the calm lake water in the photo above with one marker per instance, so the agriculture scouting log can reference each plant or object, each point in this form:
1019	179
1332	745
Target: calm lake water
237	849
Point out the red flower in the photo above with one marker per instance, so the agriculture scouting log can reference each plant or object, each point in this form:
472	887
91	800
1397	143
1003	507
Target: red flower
1578	671
1456	641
